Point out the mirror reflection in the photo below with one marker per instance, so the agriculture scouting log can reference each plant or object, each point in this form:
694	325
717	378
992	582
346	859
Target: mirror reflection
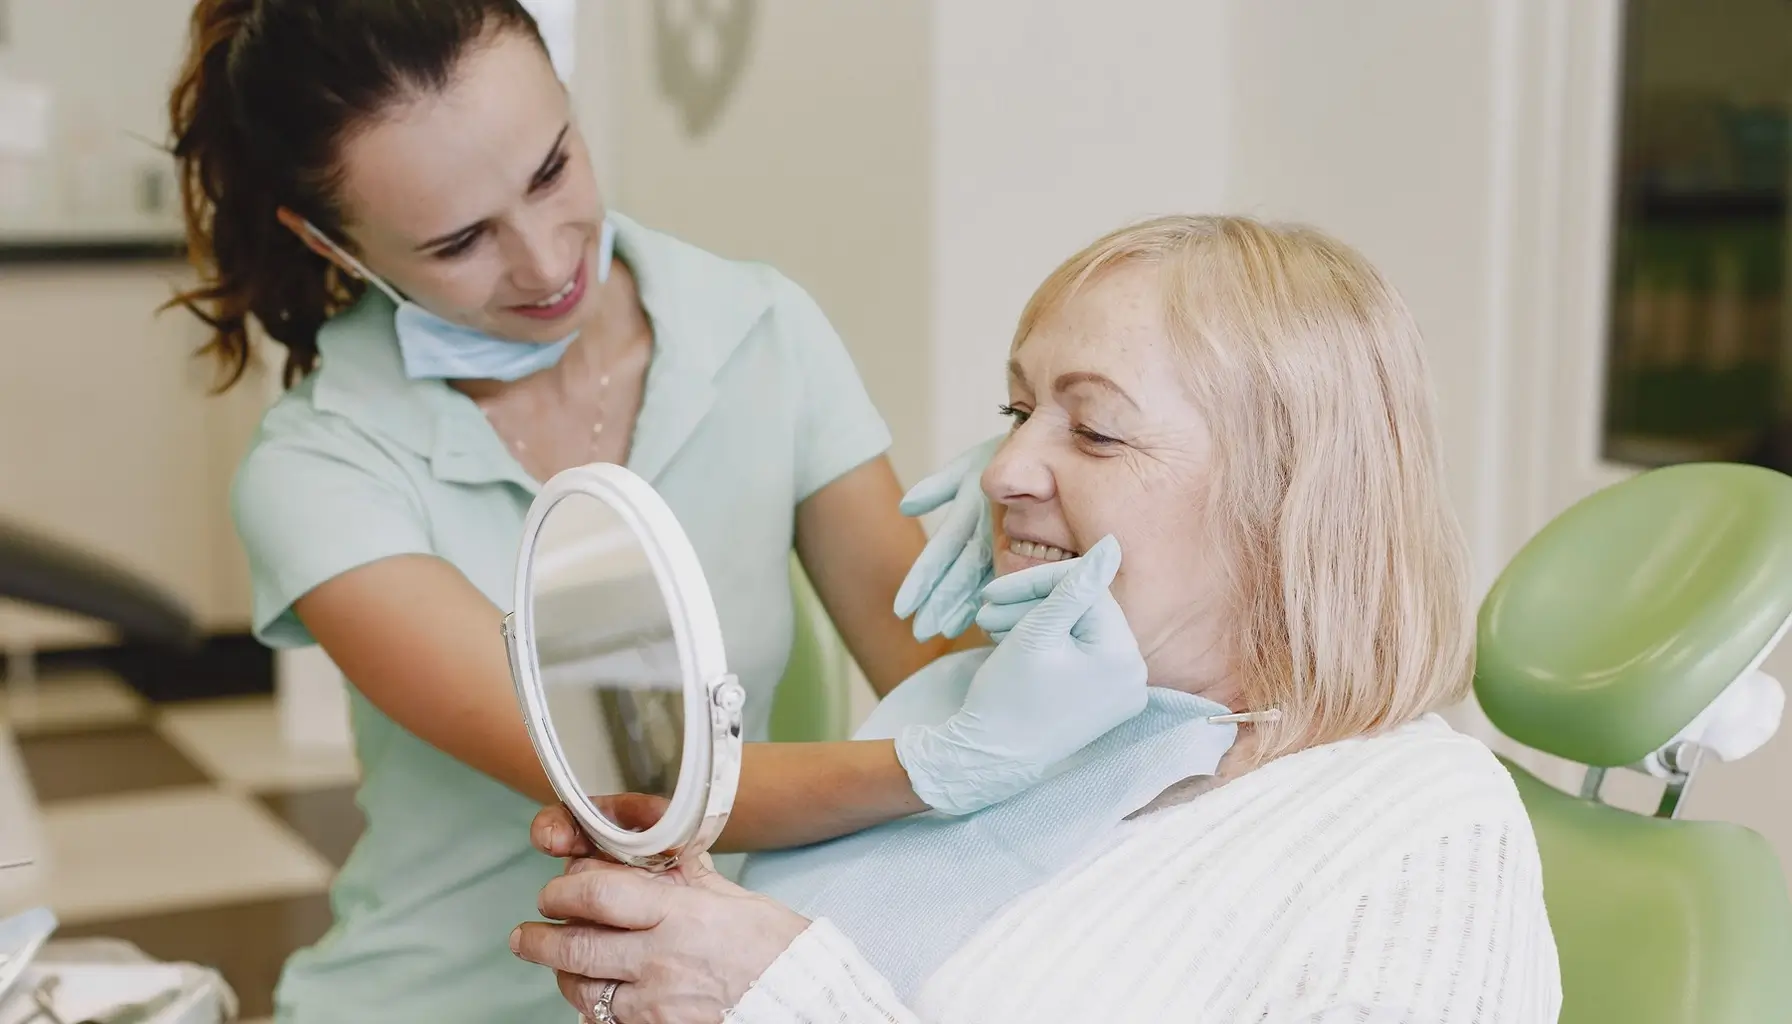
608	655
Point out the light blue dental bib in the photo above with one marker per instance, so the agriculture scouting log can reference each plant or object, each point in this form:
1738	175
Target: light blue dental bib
911	892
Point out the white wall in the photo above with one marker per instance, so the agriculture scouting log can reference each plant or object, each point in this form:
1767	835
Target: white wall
1055	121
921	167
1387	143
818	166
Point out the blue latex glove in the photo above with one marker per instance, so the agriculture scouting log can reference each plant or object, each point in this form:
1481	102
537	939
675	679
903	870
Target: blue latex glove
1008	600
1067	672
943	587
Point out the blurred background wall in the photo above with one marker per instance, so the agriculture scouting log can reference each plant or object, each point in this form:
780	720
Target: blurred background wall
105	435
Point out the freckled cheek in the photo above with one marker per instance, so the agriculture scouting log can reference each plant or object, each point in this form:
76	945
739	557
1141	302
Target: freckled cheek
1093	511
1154	557
1138	578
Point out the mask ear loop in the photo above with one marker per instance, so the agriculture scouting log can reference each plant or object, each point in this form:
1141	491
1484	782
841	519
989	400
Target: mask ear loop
606	250
317	238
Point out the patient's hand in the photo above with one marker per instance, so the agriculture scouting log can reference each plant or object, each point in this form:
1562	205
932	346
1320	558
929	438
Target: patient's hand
677	947
555	833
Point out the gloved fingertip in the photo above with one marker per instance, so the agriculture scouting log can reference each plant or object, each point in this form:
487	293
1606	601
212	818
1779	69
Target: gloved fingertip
908	596
995	619
966	517
928	495
1027	584
1102	622
917	503
955	622
925	626
1101	563
990	593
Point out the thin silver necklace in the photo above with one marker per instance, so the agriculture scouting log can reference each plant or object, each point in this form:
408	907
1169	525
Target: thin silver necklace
521	447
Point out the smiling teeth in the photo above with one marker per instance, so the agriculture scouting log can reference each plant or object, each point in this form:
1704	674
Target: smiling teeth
557	296
1039	552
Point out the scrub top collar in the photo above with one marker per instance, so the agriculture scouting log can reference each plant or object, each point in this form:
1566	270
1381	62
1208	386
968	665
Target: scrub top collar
701	308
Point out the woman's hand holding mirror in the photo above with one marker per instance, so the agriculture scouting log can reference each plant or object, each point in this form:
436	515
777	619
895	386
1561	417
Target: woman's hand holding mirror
681	947
556	833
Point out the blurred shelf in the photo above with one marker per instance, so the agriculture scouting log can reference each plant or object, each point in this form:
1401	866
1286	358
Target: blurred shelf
123	250
1651	450
1657	205
41	239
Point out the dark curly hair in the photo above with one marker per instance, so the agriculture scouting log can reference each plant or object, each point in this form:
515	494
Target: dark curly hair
267	94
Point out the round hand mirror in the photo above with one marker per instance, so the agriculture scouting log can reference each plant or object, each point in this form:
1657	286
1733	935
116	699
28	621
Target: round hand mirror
619	665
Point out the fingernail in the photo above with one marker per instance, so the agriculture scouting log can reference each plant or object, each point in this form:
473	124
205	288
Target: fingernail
516	939
557	838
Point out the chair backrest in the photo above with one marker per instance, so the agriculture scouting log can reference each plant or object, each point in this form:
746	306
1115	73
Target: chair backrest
1660	921
1606	635
812	703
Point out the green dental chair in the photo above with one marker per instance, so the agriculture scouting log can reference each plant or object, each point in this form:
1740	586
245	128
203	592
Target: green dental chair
1603	640
812	704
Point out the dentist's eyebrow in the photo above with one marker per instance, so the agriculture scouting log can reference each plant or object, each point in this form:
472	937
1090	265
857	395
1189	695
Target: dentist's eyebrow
542	170
545	169
1070	380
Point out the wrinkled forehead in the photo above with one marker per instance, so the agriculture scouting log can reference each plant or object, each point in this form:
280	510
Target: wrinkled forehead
438	161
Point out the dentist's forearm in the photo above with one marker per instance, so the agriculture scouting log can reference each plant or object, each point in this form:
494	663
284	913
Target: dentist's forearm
793	794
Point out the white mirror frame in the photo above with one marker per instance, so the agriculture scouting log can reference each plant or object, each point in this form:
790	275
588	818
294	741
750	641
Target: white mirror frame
21	937
709	769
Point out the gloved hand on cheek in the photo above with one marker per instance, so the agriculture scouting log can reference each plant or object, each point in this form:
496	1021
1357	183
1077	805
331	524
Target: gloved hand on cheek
943	588
1066	671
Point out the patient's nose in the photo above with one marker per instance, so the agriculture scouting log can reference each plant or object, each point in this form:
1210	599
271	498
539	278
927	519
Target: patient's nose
1019	473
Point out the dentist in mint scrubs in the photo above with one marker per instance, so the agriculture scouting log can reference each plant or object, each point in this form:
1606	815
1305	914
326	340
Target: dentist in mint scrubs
397	197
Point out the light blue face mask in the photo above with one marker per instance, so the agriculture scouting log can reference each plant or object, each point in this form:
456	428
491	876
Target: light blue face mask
911	892
435	348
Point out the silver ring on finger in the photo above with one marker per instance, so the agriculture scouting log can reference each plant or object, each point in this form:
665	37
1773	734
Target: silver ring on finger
602	1011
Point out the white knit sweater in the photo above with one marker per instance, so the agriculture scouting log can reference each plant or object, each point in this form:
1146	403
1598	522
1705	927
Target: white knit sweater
1380	880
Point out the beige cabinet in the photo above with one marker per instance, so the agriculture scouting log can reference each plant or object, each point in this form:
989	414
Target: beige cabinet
109	440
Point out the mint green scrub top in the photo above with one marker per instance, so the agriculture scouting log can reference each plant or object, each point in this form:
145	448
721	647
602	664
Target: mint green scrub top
752	404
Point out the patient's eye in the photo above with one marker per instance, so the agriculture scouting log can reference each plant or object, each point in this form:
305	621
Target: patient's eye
1015	414
1099	440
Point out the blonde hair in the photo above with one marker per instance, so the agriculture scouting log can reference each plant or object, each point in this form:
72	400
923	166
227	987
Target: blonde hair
1339	546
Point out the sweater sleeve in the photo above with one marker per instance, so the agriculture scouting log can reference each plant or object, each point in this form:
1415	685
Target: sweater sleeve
822	978
1447	930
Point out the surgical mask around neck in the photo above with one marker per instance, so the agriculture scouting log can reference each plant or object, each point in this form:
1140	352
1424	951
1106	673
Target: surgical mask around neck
435	348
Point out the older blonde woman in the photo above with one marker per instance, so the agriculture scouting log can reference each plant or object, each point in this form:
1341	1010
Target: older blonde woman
1245	409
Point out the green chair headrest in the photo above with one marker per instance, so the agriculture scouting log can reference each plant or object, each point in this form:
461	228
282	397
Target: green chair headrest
1631	611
